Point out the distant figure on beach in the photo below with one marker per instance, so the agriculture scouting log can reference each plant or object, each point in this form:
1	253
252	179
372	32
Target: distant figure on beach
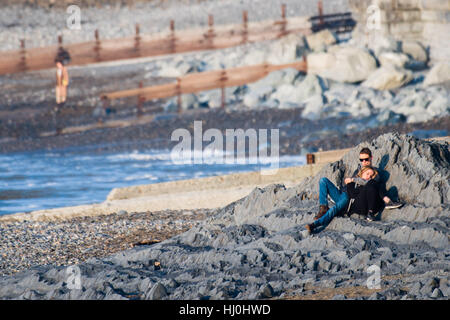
360	189
62	81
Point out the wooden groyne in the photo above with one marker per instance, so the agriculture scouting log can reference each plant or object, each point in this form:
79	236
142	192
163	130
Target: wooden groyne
201	81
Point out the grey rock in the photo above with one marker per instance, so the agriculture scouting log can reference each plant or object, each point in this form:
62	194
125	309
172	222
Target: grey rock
387	78
437	293
339	297
377	296
415	49
319	40
266	291
313	107
439	73
360	260
343	64
157	292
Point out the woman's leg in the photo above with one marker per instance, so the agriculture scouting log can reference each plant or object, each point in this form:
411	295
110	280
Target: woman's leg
370	196
58	94
63	94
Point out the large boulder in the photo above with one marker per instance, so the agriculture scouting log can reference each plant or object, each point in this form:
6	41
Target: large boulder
178	68
440	106
395	59
310	86
343	64
382	44
320	40
439	73
313	107
415	49
386	78
277	85
418	54
285	50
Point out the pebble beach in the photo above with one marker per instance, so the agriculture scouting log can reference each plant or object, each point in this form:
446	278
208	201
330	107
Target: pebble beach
72	241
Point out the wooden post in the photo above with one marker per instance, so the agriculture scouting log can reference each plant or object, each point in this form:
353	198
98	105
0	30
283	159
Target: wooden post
320	8
23	55
137	40
310	158
172	37
140	101
282	23
223	79
244	26
283	20
60	41
266	68
105	105
97	46
210	34
178	90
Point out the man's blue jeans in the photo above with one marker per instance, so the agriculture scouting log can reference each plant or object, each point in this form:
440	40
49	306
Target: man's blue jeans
326	187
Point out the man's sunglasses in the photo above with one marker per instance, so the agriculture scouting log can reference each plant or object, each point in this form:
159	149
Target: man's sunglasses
364	159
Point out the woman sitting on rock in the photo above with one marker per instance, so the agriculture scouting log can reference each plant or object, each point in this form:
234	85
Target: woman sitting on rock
359	192
363	193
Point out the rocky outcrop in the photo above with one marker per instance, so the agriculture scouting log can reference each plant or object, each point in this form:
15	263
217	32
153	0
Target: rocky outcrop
260	241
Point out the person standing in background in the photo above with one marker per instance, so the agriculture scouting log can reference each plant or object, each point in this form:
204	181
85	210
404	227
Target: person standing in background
62	82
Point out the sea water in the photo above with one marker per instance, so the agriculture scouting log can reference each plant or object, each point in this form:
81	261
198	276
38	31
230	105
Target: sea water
32	181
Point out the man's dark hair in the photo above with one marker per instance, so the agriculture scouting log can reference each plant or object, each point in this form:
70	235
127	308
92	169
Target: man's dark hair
366	151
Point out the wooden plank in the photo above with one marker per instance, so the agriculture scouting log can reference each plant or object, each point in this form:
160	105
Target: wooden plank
203	81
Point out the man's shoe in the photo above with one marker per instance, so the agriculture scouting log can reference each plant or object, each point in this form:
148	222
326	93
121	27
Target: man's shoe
310	228
322	210
393	205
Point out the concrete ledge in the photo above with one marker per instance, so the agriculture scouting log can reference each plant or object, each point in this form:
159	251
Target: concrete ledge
287	176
